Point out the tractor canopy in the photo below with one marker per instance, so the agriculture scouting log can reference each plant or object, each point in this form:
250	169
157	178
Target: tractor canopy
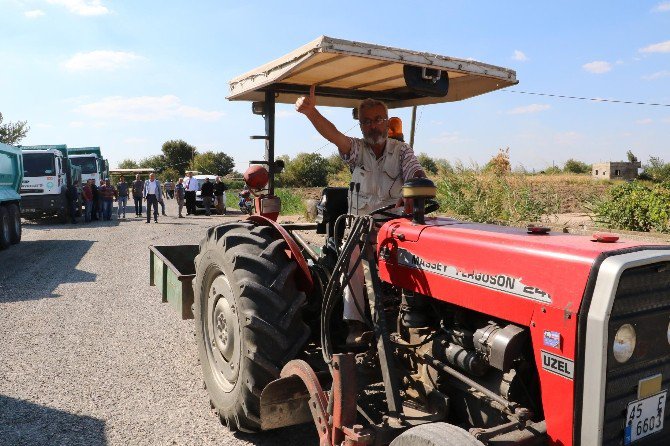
345	72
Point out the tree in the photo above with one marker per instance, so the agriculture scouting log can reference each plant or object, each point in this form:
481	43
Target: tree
656	170
156	162
305	170
128	164
178	154
429	165
13	132
574	166
213	163
631	158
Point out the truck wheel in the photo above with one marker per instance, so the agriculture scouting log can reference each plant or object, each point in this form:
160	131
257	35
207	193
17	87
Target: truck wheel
436	434
14	224
5	232
248	315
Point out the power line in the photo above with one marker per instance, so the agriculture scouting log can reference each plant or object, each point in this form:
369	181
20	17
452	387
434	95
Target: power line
560	96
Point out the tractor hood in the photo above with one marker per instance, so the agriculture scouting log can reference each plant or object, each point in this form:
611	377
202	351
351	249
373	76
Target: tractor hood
346	72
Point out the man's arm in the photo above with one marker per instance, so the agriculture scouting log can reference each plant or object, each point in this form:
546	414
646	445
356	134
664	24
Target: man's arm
307	106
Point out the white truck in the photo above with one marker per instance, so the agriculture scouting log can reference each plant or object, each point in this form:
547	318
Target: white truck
47	172
93	165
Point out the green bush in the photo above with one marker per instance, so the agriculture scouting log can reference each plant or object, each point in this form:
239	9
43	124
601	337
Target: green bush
494	198
574	166
291	203
305	170
635	206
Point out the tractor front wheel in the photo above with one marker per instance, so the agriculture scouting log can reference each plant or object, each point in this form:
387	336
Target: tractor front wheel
248	317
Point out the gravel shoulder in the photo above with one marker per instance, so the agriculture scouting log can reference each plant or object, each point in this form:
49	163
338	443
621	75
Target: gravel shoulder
90	356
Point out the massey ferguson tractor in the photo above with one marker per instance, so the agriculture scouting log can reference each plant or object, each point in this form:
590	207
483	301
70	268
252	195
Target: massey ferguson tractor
478	334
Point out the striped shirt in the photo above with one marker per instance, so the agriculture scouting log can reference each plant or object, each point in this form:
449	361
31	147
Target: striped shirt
409	164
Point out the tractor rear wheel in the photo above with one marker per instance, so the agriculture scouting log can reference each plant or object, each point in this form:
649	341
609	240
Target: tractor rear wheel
436	434
5	231
14	224
248	317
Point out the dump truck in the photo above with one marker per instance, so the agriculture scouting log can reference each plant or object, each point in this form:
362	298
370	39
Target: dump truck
478	334
47	172
11	175
93	165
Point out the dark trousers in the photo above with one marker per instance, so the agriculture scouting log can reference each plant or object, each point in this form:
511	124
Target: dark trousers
190	202
138	205
152	201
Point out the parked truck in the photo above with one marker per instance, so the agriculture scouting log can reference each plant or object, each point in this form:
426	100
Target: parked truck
93	165
47	173
11	174
478	334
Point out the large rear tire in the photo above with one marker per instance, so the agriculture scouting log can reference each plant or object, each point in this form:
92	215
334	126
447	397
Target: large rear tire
248	317
14	224
436	434
5	232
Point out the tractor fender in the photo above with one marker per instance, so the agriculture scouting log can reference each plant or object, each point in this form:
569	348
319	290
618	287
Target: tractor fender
304	279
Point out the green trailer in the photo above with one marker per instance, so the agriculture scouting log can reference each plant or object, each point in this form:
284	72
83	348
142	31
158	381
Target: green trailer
171	270
11	176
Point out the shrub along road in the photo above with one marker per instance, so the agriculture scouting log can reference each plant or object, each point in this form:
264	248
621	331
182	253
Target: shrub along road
90	356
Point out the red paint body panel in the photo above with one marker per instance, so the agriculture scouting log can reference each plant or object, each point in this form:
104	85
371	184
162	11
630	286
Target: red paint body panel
475	265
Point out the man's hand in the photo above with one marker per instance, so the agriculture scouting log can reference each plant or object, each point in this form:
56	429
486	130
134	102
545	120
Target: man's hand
306	104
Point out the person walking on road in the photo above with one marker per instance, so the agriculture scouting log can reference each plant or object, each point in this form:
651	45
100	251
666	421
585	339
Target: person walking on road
207	194
169	189
152	193
108	194
220	196
122	189
179	194
138	190
87	194
191	187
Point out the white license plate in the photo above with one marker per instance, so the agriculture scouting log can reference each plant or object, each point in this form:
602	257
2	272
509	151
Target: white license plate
29	210
644	417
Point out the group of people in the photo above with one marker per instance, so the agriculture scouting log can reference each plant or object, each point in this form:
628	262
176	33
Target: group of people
98	199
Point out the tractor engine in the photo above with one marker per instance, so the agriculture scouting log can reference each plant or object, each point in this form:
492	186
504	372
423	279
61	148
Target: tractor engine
494	353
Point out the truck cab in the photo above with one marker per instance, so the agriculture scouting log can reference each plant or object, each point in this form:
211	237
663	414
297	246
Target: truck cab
46	175
93	165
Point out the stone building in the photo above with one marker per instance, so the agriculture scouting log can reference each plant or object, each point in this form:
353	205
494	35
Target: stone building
615	170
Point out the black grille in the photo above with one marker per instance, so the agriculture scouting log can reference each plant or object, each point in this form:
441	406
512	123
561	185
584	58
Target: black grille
642	300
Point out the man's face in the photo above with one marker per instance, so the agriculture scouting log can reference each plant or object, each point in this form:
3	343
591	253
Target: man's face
374	132
106	182
152	177
189	174
137	177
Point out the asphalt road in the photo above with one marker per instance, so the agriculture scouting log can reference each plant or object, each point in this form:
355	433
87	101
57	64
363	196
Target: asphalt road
88	353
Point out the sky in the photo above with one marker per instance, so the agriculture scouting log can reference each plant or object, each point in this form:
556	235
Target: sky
130	75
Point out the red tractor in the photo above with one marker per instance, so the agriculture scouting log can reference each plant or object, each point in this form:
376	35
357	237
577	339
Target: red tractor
479	334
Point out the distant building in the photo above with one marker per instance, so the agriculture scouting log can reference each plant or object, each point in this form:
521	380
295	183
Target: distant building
615	170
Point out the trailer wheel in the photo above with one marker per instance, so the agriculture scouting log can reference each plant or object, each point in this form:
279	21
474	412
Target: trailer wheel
248	317
436	434
14	224
5	232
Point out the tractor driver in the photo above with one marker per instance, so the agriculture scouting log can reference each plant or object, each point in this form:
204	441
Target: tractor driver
380	165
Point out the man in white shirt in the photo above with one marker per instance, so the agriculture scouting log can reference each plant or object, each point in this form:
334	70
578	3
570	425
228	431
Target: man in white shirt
380	166
191	187
152	194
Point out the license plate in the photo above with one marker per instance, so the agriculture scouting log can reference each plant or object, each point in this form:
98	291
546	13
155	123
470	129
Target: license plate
645	417
29	210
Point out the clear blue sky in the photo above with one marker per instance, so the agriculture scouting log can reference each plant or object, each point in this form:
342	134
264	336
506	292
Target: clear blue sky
129	75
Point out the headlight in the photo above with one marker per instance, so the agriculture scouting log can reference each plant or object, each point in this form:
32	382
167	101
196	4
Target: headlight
668	333
624	343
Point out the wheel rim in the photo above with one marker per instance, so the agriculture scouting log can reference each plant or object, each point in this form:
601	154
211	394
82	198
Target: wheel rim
223	333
